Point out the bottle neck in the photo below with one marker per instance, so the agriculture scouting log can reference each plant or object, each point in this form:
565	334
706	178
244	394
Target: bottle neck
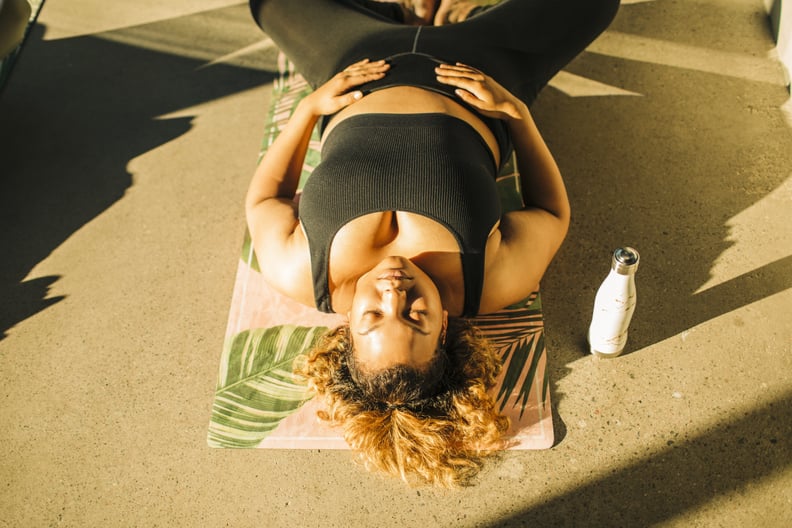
617	276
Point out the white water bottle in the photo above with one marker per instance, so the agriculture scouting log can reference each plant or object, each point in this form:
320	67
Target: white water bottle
614	305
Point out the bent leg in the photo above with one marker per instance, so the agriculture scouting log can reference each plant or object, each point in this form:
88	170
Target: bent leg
317	34
522	43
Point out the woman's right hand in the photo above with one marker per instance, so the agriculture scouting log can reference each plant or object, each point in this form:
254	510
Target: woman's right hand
481	91
334	95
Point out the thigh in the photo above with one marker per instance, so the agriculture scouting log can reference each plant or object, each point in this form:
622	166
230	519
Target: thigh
316	35
522	43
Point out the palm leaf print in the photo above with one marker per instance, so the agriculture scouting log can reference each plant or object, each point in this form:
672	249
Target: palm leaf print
257	387
517	333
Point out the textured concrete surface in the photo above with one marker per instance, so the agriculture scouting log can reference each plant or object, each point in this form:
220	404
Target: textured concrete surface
128	134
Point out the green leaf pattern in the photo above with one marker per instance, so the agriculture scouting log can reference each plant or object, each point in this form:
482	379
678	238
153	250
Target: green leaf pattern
517	333
257	387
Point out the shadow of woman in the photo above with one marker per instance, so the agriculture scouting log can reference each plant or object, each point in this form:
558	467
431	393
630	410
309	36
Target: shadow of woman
75	113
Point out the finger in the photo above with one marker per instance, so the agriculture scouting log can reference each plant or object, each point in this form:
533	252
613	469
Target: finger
364	74
461	65
468	97
349	79
452	68
454	71
471	85
349	98
378	66
467	88
352	81
358	63
357	74
364	64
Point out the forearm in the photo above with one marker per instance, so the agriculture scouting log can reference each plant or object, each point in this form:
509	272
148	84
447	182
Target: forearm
540	179
278	173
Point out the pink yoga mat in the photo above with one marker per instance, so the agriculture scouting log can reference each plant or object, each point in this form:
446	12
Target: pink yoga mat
259	403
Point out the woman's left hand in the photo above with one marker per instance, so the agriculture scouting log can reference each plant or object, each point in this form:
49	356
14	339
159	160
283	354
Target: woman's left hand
335	94
480	91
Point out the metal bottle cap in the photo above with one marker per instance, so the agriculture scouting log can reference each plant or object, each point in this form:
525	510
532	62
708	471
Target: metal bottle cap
625	261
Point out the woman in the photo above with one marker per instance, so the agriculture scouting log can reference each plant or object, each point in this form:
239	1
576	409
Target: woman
400	227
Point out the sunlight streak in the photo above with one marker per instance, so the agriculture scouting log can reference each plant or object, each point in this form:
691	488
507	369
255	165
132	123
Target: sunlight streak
577	86
266	44
643	49
755	242
64	21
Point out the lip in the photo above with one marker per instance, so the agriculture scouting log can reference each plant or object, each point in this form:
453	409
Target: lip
394	274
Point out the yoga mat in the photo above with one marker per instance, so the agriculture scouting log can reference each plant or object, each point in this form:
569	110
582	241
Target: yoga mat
260	403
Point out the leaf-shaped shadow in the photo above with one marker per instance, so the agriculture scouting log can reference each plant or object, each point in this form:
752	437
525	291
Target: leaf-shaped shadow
257	387
517	333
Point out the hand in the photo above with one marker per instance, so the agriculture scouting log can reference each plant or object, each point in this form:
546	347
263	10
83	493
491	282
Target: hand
334	95
480	91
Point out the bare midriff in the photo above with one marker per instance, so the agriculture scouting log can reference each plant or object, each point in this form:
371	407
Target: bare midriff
414	100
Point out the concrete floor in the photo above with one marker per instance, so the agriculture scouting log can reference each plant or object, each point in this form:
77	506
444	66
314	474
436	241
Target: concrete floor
128	134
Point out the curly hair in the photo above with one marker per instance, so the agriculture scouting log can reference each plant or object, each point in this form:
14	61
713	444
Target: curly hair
432	425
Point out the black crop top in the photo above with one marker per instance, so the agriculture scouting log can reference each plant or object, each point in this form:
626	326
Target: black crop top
432	164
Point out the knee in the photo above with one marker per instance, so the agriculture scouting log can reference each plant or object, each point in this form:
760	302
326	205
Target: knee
609	8
14	16
601	13
261	10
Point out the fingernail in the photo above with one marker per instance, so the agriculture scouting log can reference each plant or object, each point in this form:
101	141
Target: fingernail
357	95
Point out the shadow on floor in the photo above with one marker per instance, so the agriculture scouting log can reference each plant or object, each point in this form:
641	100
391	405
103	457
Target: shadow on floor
73	116
664	172
725	459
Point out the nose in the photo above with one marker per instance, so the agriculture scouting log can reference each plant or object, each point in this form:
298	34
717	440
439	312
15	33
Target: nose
394	296
393	283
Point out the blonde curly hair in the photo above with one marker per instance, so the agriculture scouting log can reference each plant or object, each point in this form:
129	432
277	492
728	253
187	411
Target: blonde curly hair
432	425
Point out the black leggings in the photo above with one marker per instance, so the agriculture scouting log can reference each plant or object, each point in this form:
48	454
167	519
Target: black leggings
520	43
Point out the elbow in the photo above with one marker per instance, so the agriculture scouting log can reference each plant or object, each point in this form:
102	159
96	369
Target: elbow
254	198
565	220
564	215
251	201
562	212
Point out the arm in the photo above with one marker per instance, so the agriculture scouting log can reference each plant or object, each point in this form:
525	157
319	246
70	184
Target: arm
530	237
278	173
541	183
269	204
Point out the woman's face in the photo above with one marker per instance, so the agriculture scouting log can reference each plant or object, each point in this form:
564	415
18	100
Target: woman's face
396	316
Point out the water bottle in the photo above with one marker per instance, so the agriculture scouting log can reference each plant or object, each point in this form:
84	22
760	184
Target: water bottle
614	305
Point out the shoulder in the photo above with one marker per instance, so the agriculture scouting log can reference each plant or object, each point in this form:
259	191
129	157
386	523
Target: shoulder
282	250
289	270
518	256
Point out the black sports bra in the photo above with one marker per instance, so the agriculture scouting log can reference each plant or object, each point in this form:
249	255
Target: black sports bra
431	164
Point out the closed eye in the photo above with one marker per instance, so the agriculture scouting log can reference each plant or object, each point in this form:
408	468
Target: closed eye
417	314
372	318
